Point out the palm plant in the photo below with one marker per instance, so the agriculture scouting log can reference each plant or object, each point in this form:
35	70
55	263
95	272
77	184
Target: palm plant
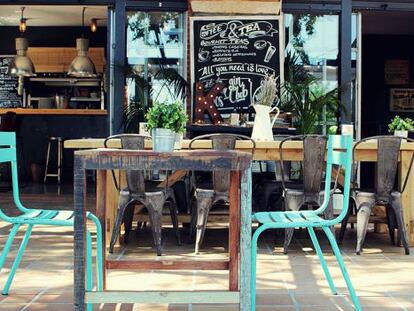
171	81
303	96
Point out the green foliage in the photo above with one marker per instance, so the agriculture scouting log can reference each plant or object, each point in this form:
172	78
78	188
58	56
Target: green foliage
400	124
167	115
308	102
134	113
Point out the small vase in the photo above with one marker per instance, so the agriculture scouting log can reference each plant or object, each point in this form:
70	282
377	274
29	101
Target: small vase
263	125
401	134
163	140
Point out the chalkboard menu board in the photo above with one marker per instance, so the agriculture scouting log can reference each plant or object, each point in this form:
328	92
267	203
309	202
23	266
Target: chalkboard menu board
236	52
8	85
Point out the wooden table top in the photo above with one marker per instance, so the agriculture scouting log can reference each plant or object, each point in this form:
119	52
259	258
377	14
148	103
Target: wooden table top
51	111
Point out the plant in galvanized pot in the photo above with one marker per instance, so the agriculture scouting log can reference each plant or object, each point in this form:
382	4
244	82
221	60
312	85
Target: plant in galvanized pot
400	127
265	98
165	120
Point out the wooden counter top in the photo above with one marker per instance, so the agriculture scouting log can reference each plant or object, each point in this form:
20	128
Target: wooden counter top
69	112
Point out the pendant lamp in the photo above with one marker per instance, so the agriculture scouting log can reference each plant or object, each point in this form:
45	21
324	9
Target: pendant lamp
22	65
82	66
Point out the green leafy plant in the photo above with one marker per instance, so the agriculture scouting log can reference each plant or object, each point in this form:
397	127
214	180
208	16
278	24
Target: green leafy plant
135	111
400	124
303	95
167	115
268	91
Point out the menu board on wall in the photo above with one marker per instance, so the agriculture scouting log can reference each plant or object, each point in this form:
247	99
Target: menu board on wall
397	72
402	99
238	52
8	85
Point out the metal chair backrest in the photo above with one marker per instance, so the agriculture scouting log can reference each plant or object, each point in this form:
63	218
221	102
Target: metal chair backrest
314	148
388	151
135	178
8	155
339	154
221	180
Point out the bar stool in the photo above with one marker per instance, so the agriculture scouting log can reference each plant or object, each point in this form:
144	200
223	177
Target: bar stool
59	144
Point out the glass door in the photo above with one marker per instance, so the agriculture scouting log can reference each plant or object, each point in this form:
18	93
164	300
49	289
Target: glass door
155	57
356	72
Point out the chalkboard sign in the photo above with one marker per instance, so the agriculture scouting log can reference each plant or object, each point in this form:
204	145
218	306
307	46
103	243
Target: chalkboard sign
237	52
8	85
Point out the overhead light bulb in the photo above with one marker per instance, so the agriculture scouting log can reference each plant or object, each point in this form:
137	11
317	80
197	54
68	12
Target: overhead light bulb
22	25
94	24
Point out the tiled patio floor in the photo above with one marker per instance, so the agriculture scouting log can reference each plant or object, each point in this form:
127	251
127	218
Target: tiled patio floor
383	275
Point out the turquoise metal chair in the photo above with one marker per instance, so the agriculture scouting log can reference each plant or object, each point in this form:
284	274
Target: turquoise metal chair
31	217
339	153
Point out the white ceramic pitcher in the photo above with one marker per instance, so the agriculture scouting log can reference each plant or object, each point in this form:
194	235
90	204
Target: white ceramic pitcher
263	125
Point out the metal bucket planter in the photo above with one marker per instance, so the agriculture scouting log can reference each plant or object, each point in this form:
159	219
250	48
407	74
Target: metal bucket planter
163	140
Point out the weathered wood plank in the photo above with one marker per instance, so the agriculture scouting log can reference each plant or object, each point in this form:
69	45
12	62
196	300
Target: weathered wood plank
163	297
407	196
245	239
234	230
79	235
168	264
101	212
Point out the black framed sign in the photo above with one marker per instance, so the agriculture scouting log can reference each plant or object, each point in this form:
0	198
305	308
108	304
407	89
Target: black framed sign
237	52
8	85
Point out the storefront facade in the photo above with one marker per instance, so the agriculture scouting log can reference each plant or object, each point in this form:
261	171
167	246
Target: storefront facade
339	67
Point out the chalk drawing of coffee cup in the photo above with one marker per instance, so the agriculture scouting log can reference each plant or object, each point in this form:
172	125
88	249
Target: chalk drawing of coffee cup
256	34
260	44
269	53
203	56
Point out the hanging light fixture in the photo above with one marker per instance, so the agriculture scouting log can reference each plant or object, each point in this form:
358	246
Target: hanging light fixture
22	65
94	24
22	25
82	66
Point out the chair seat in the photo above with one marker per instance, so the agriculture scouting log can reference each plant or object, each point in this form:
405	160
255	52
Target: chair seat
288	219
51	217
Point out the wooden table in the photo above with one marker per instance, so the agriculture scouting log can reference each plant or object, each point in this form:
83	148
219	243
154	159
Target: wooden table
366	152
236	162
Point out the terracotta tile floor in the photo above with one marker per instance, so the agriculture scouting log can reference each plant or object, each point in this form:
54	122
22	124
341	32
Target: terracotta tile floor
383	275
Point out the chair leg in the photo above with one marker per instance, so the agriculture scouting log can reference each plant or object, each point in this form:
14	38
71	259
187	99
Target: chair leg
174	218
154	205
391	224
342	266
99	252
288	239
344	223
193	221
124	201
323	261
17	260
255	238
127	219
396	206
8	244
89	275
203	208
363	214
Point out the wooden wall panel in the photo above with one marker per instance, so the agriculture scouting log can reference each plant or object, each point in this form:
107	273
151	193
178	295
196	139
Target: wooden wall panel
52	59
236	6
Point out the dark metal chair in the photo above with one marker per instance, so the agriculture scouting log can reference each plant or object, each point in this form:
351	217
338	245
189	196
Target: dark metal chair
388	151
309	193
207	197
139	191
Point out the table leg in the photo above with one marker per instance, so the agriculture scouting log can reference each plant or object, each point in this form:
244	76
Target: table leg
246	239
234	230
101	214
408	195
79	235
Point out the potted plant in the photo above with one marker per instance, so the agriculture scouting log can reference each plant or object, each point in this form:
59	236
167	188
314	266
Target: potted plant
165	120
265	98
400	127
